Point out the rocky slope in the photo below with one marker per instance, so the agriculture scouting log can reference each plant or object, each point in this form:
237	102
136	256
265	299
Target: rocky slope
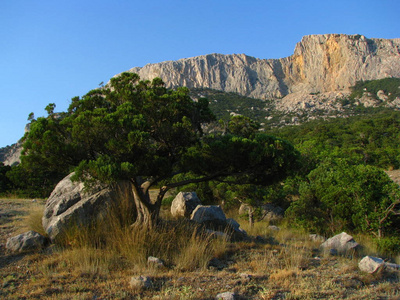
320	64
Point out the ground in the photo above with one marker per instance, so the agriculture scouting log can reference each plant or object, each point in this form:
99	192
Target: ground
280	265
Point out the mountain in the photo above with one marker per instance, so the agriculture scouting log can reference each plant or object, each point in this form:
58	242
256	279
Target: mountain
320	64
314	82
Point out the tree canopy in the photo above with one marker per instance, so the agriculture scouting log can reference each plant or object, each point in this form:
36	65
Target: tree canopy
142	132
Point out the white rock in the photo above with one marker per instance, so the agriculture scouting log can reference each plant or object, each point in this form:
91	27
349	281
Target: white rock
184	204
340	244
371	264
208	213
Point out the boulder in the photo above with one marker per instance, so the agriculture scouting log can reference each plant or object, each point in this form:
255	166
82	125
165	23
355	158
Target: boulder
210	215
184	204
27	241
340	244
371	264
70	204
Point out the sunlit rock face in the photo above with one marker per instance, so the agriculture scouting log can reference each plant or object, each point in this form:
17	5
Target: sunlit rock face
320	63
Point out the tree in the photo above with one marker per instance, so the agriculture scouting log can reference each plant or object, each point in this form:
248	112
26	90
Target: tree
142	132
5	183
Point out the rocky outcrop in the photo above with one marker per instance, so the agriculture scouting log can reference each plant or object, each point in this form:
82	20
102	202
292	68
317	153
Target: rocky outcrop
320	63
11	155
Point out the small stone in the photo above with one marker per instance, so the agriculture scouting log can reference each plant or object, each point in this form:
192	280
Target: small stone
155	261
141	282
226	296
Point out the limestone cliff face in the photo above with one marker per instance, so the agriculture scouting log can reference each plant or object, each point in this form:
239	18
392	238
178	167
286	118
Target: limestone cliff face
332	62
232	73
320	63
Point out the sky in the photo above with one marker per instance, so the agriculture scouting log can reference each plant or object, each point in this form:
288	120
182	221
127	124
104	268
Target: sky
52	51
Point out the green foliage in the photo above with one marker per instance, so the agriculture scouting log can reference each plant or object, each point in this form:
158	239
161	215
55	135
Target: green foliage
142	132
372	140
389	85
224	104
33	183
388	245
342	196
5	183
242	126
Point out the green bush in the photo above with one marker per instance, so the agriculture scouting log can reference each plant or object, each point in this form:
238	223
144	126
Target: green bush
340	196
388	245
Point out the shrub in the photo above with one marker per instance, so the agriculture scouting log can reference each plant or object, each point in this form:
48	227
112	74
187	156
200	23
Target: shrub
339	196
388	245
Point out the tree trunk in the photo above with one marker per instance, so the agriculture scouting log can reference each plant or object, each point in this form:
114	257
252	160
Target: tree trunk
251	216
147	212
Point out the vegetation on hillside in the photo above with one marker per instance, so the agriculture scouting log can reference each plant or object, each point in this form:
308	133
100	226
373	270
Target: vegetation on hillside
141	132
390	86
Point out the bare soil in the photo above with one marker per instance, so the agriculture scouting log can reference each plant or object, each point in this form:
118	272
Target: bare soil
283	266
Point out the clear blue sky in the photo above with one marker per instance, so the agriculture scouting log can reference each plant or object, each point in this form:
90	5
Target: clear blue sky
53	50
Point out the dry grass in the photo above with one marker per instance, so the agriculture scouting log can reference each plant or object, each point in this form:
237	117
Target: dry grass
97	263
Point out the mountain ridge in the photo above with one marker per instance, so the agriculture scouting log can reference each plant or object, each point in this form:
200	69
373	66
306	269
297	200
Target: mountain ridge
319	64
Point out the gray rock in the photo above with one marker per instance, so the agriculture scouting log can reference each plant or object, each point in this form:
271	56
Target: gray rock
371	264
340	243
27	241
226	296
184	204
209	213
392	266
70	204
140	282
155	261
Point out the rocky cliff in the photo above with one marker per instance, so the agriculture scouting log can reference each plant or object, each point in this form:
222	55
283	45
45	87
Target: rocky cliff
320	63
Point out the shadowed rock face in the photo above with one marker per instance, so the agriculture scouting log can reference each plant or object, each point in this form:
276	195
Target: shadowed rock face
320	63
